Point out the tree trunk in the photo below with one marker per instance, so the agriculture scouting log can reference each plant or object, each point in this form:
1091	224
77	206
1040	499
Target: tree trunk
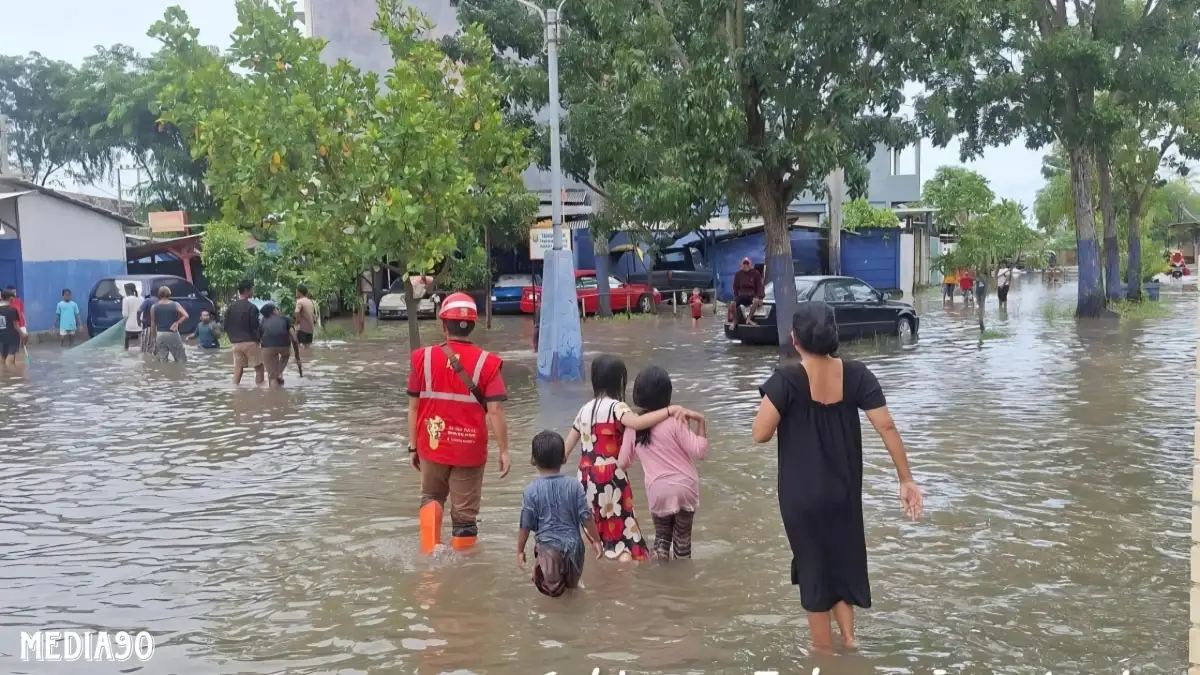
649	279
1108	214
779	266
487	290
600	250
411	304
1090	298
836	183
1133	268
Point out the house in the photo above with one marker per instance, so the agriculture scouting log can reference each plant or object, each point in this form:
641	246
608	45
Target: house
50	241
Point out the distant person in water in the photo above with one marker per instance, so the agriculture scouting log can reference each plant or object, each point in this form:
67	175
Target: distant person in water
133	317
748	291
1003	281
949	285
242	327
278	339
16	302
305	316
208	332
165	317
147	339
11	331
555	509
696	302
67	319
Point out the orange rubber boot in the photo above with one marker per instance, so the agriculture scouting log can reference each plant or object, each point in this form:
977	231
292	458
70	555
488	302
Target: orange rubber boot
431	526
462	543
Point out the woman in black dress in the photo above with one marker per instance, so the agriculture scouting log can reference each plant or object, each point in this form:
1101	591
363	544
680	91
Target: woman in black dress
814	403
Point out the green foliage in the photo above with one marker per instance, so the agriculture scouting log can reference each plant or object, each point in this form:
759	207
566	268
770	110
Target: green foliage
347	169
958	194
226	260
858	214
989	232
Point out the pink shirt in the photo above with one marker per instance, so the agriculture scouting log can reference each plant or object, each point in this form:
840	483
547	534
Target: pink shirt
672	483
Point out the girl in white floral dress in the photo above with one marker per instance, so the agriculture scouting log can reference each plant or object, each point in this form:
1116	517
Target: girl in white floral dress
600	425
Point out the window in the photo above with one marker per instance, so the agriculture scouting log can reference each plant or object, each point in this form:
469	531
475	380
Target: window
847	290
586	283
675	257
181	288
614	282
803	286
861	292
107	290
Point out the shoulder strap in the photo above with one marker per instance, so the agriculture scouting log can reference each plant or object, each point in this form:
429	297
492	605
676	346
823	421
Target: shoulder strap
452	358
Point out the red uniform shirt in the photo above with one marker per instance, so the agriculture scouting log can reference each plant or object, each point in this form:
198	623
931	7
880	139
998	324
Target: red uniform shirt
451	424
16	302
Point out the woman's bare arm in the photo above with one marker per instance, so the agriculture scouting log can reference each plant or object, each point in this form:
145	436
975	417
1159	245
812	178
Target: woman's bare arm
765	422
885	426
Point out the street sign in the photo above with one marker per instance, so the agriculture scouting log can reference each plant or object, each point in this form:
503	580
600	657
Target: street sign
541	239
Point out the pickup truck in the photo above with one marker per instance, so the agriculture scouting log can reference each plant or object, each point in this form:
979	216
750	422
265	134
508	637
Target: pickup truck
676	269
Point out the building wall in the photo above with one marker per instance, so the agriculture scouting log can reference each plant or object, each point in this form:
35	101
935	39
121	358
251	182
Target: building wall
64	246
891	182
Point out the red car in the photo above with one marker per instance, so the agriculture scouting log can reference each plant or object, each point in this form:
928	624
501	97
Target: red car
636	297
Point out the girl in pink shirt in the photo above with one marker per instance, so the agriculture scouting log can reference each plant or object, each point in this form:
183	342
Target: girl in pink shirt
668	451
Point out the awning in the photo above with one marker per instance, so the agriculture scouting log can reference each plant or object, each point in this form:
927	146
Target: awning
13	195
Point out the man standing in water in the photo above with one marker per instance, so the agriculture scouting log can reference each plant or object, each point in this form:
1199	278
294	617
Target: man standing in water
455	392
748	291
305	316
241	325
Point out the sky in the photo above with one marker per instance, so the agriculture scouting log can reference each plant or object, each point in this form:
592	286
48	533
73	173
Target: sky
70	29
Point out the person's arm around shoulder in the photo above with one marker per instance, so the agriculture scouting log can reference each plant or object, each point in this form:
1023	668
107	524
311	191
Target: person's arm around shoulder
631	420
495	395
870	399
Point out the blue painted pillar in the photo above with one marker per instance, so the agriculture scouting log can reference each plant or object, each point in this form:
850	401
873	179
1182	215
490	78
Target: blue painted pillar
560	346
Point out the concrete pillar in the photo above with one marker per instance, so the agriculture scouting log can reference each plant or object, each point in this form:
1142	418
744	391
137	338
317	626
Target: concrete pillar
1194	596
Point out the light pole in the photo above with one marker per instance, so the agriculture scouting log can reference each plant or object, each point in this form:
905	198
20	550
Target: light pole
560	345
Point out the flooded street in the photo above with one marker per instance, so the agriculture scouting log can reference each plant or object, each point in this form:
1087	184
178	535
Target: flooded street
259	532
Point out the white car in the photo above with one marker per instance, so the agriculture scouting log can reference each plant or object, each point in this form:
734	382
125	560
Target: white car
393	306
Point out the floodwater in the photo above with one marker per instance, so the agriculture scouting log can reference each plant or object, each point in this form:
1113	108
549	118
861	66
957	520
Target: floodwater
274	531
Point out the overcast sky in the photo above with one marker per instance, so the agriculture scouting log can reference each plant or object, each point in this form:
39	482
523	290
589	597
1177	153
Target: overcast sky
70	29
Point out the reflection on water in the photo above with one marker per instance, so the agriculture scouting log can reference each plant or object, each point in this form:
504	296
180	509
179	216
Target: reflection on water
262	531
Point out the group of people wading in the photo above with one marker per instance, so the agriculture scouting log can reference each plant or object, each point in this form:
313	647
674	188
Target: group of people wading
456	391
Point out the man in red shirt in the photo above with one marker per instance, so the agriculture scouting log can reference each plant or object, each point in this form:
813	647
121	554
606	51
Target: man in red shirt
455	392
16	302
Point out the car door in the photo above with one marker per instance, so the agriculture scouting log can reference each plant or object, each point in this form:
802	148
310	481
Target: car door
849	312
587	291
619	292
877	317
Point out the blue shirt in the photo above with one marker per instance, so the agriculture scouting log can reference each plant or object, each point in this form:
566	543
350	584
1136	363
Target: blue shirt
204	335
144	310
67	310
554	507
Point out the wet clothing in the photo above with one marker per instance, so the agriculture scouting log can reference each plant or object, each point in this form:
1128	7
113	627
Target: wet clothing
20	305
748	284
144	311
305	315
169	343
554	508
241	322
246	355
452	422
10	334
697	304
275	360
207	335
672	483
132	338
304	338
129	310
820	483
1002	294
606	485
463	485
276	331
164	315
673	531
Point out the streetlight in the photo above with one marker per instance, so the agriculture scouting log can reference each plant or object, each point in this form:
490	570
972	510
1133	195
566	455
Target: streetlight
560	345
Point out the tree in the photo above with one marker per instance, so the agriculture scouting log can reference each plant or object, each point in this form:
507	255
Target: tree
858	214
226	260
350	172
47	138
959	195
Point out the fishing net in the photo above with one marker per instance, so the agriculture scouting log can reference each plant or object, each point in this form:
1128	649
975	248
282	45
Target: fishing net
113	337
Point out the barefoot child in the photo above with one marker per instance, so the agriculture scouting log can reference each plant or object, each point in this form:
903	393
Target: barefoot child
668	452
697	303
554	508
600	424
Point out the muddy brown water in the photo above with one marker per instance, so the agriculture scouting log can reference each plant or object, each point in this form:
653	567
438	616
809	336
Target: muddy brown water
275	532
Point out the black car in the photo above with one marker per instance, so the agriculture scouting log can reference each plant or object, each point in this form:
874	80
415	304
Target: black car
861	311
104	302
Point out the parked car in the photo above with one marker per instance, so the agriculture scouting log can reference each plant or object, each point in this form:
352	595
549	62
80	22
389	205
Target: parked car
393	306
507	292
104	302
675	269
636	297
860	310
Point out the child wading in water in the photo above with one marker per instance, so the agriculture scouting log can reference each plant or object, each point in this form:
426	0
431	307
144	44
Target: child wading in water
554	508
600	424
697	303
668	451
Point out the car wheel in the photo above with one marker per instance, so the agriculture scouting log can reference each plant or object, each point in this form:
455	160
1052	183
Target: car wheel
645	304
904	329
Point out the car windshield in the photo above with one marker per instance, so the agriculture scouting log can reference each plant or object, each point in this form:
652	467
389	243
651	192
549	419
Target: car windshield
514	280
803	288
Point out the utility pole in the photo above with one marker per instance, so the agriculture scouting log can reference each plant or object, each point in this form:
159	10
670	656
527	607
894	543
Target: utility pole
120	195
3	145
836	187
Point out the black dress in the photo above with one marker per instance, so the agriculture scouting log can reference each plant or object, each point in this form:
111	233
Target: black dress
820	483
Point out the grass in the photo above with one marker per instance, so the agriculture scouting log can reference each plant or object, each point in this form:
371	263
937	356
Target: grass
1139	311
990	334
1053	311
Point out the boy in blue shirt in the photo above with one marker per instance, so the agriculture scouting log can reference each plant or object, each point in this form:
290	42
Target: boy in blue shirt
66	318
555	508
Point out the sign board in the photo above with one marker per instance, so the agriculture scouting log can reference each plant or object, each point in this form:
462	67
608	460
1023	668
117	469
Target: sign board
168	221
541	239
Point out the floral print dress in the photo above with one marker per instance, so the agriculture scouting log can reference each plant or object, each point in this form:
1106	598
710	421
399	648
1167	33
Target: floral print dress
607	487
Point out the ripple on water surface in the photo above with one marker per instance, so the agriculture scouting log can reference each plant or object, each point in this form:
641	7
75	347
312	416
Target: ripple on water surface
275	531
